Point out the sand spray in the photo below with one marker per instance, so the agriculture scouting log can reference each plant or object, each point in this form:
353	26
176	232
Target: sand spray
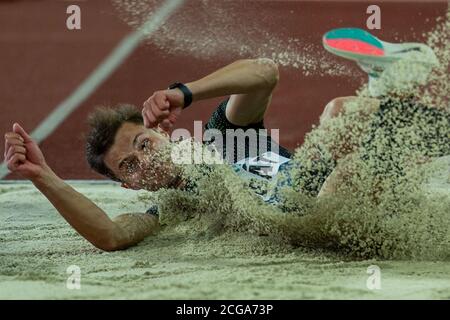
380	208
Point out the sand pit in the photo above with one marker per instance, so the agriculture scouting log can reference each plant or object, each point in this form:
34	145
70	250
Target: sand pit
37	247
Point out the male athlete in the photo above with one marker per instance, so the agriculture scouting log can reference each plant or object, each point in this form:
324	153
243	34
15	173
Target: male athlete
123	142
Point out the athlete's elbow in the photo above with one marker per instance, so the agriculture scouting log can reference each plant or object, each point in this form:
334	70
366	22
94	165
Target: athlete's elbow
111	243
112	246
269	71
106	245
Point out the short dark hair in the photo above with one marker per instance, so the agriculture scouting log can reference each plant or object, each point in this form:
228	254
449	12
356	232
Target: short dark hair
104	123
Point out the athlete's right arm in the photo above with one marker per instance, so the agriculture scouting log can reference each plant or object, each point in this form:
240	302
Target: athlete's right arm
24	157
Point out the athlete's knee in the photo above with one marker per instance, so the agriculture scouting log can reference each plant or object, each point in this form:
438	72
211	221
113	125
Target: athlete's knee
337	105
333	108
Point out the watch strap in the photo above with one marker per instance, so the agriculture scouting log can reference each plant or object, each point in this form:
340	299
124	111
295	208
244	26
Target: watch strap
186	92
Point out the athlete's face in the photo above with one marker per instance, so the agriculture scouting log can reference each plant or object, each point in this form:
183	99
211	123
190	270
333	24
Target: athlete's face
140	158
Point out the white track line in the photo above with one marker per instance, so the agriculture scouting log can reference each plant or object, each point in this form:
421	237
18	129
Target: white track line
100	74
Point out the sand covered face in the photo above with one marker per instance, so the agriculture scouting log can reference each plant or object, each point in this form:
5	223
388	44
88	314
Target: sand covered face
140	158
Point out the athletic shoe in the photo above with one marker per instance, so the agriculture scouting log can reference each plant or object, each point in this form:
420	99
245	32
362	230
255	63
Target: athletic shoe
374	56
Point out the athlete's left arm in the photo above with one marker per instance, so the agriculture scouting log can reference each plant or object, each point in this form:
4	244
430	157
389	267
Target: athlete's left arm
248	82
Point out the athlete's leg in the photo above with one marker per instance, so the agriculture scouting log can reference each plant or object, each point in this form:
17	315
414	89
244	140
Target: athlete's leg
317	161
349	105
339	174
390	66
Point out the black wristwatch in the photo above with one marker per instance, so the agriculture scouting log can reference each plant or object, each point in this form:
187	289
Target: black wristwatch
186	92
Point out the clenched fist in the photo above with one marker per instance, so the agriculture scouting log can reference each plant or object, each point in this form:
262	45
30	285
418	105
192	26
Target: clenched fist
163	108
22	154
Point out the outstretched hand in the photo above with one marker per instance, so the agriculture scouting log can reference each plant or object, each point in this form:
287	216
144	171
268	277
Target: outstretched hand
163	108
22	154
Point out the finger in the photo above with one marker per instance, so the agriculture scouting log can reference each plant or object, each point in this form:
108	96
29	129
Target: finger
12	141
157	112
166	125
18	129
172	118
148	113
15	149
161	101
147	102
150	118
15	161
13	135
144	117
